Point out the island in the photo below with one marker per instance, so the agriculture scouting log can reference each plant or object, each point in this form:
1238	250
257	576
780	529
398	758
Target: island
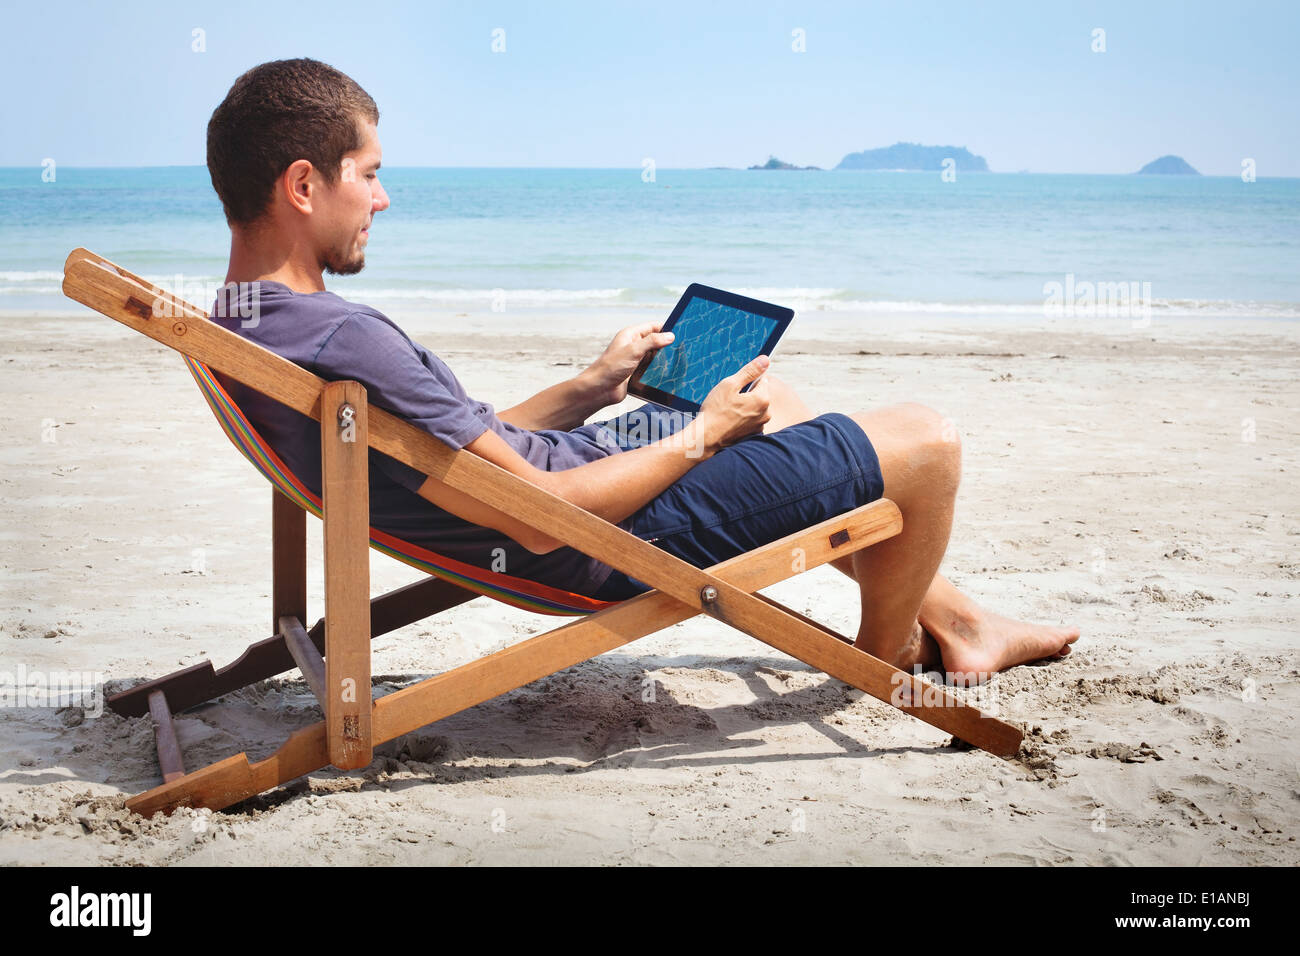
774	163
914	156
1168	166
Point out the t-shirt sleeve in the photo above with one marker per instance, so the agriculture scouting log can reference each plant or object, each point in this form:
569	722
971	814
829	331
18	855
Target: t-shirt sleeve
409	382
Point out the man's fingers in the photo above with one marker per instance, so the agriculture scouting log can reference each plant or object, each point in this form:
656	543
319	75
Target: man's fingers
760	391
752	370
649	332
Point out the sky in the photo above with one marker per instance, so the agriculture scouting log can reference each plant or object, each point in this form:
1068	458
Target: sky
691	84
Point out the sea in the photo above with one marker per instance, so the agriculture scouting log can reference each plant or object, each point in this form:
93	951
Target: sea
826	243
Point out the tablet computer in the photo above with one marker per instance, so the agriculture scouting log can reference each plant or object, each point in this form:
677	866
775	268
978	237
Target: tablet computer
715	334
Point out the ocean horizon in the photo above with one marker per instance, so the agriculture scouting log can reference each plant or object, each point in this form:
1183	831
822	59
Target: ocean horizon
826	241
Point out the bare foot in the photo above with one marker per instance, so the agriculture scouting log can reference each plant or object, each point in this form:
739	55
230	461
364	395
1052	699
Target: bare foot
977	643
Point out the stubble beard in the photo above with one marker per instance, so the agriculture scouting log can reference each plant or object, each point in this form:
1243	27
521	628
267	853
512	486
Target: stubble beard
337	264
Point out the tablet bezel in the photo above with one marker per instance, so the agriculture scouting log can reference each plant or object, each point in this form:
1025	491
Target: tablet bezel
779	314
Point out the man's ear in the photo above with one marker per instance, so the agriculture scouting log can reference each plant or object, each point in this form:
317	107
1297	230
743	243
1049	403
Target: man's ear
298	185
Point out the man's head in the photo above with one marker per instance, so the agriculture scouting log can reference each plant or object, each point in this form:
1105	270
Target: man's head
293	151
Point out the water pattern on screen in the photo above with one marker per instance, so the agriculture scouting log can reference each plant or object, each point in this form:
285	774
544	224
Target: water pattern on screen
710	342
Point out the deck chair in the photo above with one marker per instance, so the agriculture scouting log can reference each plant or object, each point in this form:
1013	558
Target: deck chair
334	655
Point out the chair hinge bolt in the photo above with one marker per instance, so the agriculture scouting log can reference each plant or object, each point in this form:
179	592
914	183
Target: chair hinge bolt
708	594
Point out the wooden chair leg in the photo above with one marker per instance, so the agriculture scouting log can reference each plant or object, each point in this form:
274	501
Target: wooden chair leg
288	560
164	731
306	655
345	512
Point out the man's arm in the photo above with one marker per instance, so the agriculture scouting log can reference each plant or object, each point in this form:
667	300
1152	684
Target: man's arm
620	484
612	487
602	383
563	406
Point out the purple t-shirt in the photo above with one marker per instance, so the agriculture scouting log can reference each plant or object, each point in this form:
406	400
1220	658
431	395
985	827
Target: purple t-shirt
336	340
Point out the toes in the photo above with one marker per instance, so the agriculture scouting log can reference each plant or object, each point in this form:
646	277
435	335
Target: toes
1067	635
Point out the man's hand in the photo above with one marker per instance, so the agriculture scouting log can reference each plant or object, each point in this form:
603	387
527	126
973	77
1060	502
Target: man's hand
727	414
609	374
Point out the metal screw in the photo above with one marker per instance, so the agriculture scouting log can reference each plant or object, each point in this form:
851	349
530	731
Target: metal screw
346	415
708	594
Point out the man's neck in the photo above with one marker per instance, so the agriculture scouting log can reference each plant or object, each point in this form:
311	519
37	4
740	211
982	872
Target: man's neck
257	256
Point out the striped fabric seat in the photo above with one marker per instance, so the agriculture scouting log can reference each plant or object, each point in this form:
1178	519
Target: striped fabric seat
518	592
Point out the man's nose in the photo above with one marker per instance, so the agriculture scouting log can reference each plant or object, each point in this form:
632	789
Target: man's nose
380	198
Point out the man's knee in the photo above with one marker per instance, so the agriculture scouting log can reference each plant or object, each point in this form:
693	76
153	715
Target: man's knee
779	388
786	407
918	440
929	425
936	438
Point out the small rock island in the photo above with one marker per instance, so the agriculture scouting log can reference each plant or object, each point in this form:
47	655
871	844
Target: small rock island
914	156
1168	166
774	163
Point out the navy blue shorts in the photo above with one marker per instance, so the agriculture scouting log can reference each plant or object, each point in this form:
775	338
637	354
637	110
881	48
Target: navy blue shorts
762	488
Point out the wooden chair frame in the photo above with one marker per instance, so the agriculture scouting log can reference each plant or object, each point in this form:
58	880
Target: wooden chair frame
334	656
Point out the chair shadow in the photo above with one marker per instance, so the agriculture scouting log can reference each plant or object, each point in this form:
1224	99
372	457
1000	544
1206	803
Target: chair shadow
595	716
603	713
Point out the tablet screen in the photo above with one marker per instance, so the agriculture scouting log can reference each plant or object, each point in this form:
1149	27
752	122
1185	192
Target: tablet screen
710	342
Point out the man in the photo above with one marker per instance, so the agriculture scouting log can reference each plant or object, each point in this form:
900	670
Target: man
294	155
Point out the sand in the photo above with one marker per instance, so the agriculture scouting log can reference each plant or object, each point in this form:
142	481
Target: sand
1140	483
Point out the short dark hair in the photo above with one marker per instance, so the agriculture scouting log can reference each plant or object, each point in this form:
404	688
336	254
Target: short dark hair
274	115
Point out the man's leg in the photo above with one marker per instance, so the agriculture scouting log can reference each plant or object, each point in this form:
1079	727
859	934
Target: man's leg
910	613
921	466
921	471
